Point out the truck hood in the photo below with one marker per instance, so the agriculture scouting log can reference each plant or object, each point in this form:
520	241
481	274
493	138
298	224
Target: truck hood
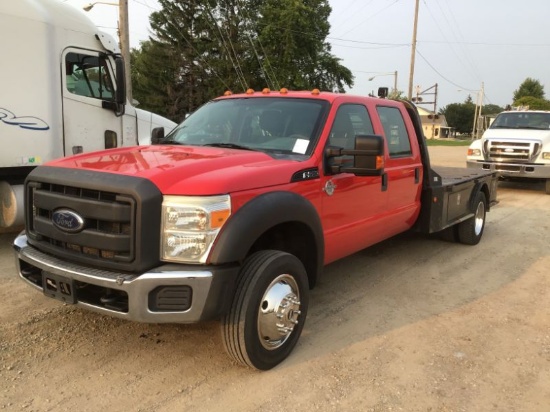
518	134
190	170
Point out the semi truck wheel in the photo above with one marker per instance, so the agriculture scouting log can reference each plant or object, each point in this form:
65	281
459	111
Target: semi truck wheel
471	230
268	311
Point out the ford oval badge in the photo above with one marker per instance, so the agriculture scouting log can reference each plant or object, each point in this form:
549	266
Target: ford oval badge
67	220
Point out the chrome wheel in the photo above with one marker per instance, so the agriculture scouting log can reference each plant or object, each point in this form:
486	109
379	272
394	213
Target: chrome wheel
279	312
479	218
268	311
470	231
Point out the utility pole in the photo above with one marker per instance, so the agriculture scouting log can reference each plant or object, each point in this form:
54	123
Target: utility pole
477	112
124	35
413	50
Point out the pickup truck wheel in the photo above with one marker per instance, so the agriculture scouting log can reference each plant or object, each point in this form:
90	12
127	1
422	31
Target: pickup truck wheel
471	230
268	311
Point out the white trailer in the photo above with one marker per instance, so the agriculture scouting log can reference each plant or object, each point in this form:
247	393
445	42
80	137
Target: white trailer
62	92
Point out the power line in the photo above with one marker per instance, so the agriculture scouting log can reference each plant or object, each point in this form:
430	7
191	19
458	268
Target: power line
442	76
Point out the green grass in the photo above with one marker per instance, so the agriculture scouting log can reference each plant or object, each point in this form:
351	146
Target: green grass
446	142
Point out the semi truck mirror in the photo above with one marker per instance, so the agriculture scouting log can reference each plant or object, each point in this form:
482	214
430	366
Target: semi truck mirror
119	104
120	81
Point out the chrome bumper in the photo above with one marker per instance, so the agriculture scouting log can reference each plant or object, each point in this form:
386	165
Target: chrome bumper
536	171
207	284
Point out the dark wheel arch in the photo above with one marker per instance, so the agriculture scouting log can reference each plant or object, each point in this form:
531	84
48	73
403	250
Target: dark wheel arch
262	214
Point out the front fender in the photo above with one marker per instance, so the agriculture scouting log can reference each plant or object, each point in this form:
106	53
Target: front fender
258	216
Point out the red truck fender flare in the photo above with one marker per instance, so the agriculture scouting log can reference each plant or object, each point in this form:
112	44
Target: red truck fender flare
261	214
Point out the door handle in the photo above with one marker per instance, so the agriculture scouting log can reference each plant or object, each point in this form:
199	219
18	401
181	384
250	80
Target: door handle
416	175
384	182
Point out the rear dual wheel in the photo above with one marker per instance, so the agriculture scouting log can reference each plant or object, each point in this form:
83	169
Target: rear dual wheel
470	231
268	310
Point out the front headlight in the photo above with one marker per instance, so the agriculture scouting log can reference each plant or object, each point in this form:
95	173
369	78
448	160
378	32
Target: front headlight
190	226
546	155
474	152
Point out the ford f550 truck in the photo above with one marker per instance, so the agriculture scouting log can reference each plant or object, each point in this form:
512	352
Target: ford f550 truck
517	145
233	214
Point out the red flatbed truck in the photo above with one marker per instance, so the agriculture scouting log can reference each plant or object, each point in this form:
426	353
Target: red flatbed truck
234	213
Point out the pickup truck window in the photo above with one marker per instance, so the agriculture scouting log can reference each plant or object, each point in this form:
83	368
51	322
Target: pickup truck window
522	120
396	133
88	76
273	125
351	120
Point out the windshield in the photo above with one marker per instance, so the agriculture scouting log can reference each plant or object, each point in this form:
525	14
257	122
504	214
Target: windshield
522	120
273	125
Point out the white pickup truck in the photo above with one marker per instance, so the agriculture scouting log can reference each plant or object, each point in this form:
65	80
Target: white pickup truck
517	144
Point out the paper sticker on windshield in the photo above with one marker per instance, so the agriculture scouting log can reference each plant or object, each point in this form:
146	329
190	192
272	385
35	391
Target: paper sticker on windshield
300	146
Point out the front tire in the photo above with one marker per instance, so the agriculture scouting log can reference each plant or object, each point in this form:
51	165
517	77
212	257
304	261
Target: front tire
471	230
268	311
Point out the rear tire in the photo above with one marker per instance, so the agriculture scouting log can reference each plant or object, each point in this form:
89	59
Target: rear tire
471	230
268	311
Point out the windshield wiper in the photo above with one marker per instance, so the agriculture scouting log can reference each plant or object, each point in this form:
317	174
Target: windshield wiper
229	146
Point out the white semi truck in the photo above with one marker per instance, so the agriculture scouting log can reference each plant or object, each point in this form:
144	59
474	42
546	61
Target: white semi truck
62	92
517	145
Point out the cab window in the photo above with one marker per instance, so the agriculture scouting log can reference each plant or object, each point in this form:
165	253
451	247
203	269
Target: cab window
395	131
88	76
351	120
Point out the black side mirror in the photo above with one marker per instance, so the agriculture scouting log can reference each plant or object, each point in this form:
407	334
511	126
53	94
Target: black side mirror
157	135
119	104
120	95
368	156
383	92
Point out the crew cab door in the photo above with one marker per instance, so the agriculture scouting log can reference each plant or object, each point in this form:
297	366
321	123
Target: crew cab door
353	206
88	80
403	166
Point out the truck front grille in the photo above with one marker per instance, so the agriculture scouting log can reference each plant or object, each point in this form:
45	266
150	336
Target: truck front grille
522	151
109	219
101	219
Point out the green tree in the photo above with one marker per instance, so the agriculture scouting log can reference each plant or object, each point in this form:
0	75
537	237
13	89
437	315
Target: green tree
491	109
155	69
460	115
534	103
530	87
397	95
292	34
202	48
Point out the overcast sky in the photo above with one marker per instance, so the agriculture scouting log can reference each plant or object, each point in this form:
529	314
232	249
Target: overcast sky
460	44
